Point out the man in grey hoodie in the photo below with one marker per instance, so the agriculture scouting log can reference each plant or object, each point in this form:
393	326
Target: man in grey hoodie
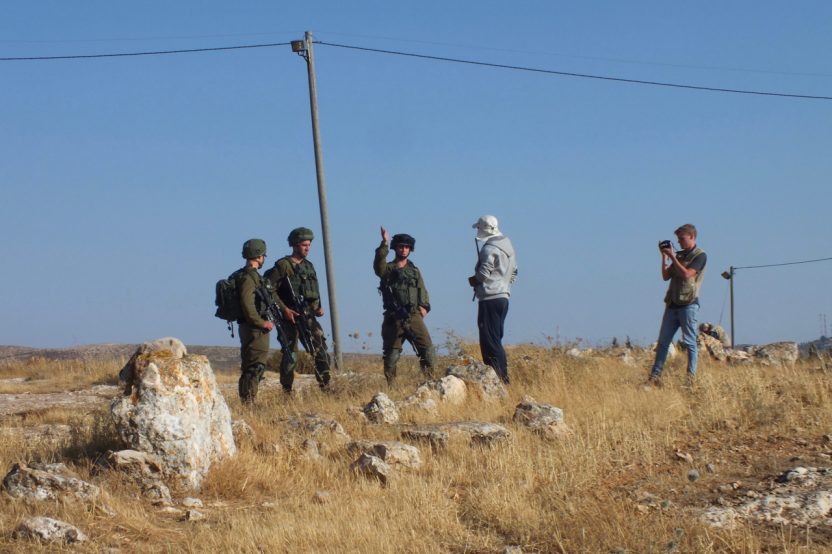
494	274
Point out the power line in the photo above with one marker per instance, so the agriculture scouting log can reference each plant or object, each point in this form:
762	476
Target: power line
153	53
141	39
429	57
591	58
580	75
782	264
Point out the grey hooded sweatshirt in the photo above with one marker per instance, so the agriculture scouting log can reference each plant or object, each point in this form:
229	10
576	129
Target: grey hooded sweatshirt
496	268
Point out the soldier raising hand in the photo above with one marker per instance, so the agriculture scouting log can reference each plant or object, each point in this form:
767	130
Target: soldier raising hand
406	303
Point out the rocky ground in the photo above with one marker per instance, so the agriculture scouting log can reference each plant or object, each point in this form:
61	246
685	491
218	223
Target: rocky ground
737	471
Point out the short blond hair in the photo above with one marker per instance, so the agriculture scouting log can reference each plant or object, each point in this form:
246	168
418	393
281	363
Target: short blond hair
686	229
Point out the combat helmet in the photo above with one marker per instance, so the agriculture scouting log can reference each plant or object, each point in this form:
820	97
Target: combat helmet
404	239
299	235
254	248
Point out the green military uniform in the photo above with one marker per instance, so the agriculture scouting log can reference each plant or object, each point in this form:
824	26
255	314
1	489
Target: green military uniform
304	283
403	291
254	338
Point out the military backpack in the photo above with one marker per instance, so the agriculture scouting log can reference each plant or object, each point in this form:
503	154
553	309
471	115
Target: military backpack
227	299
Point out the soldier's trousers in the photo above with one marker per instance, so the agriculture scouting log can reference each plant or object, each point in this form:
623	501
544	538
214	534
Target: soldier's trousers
491	318
394	333
290	357
254	350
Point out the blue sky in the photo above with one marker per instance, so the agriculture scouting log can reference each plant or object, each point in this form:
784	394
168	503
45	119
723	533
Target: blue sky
129	184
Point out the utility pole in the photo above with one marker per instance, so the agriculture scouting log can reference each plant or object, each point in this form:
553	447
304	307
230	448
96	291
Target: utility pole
733	344
730	276
304	49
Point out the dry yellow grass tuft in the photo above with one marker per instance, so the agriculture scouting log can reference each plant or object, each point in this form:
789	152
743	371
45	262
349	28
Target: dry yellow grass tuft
583	492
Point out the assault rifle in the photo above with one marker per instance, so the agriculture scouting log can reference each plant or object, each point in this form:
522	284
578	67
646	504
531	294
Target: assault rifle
401	313
301	305
272	312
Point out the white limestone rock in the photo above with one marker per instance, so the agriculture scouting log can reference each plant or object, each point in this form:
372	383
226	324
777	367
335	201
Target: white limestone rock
544	419
392	452
449	389
48	530
782	354
478	432
381	409
480	377
800	497
173	408
38	482
436	438
372	467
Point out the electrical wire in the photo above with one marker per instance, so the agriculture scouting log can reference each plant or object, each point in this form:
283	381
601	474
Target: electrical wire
427	57
152	53
782	264
142	39
571	74
577	57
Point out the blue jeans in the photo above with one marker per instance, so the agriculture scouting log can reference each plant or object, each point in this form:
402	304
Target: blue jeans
683	317
491	318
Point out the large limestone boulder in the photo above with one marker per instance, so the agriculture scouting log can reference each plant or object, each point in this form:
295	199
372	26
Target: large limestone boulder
708	344
39	482
776	354
541	418
172	408
479	377
48	530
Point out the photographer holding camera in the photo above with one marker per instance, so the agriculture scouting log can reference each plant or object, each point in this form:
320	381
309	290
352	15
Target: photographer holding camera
684	270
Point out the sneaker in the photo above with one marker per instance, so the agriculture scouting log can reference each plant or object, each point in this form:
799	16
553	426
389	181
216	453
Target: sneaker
652	382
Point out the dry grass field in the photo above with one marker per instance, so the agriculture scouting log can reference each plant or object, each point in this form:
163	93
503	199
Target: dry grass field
613	484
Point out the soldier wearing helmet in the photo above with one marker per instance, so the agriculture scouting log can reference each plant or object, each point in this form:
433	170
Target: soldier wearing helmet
254	329
716	331
300	273
406	303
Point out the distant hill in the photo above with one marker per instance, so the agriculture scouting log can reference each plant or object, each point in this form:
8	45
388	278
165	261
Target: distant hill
222	358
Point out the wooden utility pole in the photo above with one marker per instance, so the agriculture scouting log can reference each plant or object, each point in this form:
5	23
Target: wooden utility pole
731	279
304	49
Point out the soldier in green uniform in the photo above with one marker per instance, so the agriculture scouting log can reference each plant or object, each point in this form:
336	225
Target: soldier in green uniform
295	274
254	328
406	303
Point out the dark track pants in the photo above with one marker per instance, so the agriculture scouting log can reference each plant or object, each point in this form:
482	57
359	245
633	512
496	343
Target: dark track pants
491	317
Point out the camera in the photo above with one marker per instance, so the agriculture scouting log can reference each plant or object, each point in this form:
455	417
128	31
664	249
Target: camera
665	244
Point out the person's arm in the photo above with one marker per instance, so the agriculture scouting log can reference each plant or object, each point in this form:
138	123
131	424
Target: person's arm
247	306
685	272
276	276
424	299
380	260
665	268
488	258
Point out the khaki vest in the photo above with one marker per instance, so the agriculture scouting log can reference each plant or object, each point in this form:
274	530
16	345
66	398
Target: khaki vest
684	291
